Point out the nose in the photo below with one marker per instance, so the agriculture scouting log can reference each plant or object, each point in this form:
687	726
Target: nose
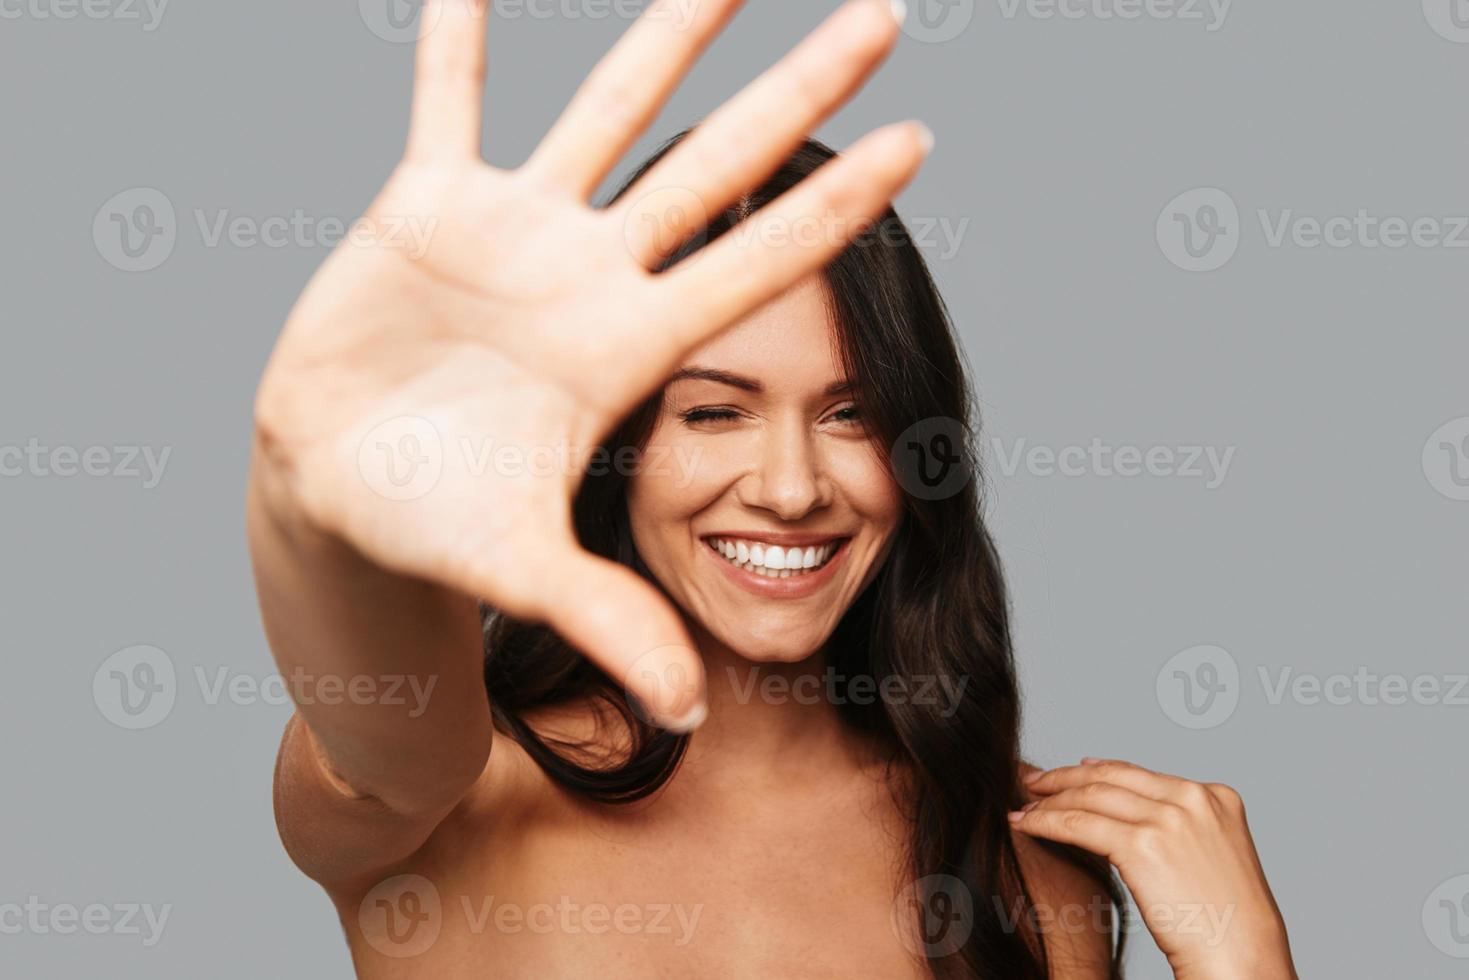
786	477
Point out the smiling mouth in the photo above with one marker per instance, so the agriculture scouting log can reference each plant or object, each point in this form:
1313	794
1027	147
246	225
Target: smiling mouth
773	560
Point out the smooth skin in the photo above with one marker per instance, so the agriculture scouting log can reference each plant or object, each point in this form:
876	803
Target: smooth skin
533	320
774	447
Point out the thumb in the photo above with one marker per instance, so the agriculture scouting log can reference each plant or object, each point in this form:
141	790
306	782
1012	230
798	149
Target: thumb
626	627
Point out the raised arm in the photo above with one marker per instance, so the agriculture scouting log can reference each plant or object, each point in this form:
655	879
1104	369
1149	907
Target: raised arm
496	310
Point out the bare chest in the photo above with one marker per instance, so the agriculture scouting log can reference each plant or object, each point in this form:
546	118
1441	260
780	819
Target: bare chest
733	895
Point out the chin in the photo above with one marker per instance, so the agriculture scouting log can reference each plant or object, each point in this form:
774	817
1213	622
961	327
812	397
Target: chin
778	645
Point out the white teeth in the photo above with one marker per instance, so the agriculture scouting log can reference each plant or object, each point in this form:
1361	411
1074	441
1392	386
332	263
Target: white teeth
773	561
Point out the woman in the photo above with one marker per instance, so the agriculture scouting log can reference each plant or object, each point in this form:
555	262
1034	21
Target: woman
655	435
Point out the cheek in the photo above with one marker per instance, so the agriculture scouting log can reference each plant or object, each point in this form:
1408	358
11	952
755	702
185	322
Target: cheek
686	471
653	513
677	476
865	483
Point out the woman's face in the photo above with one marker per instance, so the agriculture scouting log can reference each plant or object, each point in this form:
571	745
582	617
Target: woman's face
763	506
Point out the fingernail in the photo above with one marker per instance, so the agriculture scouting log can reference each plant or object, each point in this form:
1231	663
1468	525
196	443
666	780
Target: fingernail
1032	777
1090	761
925	138
696	717
900	10
1027	808
1016	816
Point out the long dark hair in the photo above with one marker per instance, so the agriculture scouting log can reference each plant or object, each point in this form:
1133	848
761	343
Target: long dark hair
936	609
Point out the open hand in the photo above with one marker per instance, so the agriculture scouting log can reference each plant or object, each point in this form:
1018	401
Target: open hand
532	322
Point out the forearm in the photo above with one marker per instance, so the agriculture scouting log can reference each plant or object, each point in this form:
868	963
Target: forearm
385	670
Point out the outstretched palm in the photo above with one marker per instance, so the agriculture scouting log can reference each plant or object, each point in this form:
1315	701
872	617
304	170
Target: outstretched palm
423	384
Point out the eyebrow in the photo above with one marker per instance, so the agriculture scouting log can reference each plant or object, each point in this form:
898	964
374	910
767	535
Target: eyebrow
695	373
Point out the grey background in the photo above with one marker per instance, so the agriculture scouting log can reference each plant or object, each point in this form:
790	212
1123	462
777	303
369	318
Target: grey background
1326	549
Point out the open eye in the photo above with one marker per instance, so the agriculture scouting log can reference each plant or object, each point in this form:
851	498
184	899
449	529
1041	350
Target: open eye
847	415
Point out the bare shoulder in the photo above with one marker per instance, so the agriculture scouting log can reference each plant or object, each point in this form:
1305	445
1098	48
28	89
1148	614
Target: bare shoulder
1073	910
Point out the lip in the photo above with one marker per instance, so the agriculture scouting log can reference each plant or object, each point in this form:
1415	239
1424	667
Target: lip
798	587
785	539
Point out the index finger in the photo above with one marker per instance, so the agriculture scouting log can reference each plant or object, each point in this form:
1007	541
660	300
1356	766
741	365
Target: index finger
1141	781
